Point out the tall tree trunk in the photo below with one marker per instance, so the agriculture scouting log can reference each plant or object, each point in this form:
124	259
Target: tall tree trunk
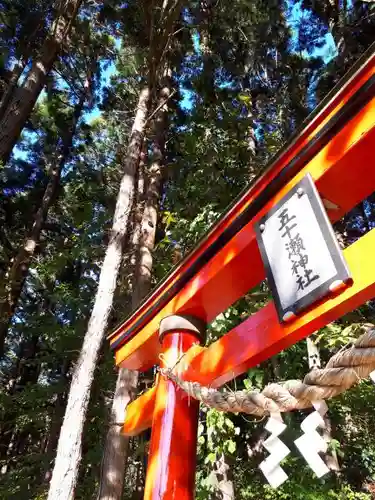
11	86
117	445
142	276
17	71
21	103
25	371
68	456
52	437
11	290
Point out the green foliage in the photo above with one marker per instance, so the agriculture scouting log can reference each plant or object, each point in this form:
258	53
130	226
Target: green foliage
253	73
294	490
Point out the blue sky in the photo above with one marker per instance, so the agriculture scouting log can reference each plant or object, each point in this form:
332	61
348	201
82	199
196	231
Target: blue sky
95	113
326	50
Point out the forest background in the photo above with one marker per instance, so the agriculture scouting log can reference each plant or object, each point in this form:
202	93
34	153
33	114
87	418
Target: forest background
126	129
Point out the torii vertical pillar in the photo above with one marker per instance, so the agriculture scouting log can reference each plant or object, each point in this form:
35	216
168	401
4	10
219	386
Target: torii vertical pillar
172	456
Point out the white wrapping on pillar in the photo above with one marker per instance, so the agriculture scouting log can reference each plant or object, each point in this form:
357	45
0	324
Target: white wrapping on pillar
310	444
270	467
372	376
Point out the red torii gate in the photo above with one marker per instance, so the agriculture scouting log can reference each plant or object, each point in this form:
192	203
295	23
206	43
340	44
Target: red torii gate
336	147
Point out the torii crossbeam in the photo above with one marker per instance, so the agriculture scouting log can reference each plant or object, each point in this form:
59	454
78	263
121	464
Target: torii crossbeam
336	147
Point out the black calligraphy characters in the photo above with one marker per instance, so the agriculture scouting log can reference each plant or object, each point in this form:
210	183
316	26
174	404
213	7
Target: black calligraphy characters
297	254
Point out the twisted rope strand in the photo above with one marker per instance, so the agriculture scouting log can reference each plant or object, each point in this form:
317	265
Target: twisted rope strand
344	369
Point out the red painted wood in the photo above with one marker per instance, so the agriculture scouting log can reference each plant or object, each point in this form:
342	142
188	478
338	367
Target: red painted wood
237	268
334	104
261	335
172	456
138	417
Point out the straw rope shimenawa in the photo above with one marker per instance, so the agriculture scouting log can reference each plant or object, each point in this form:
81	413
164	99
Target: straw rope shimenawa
344	369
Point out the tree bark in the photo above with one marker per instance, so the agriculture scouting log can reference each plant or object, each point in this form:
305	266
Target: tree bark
65	472
11	86
117	445
12	83
19	269
25	371
21	103
52	437
154	178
